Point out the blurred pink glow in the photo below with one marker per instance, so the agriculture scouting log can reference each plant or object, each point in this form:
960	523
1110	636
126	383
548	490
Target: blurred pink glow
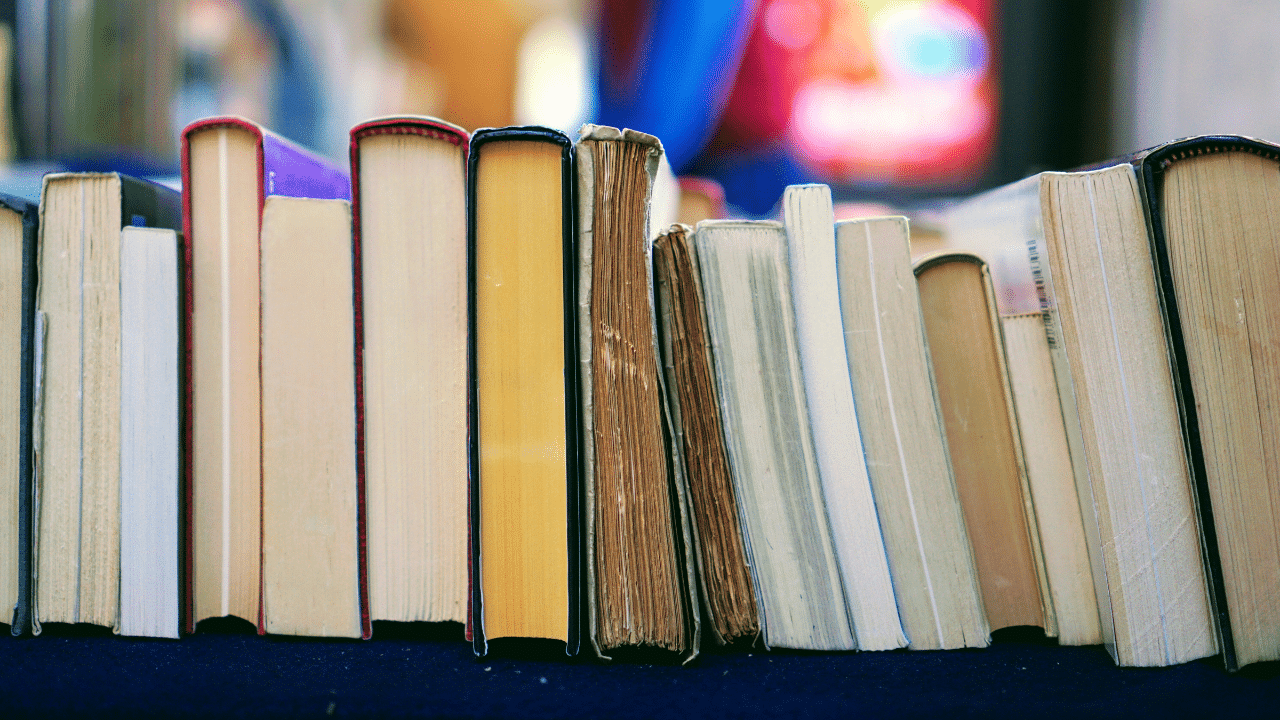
794	24
927	115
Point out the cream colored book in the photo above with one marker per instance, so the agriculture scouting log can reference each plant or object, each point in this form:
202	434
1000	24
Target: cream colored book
410	220
77	430
310	541
851	510
910	472
1073	248
747	286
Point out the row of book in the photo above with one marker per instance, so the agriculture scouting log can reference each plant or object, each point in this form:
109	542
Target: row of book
483	379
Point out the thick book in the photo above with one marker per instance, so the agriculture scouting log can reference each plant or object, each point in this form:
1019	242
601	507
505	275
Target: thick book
1211	204
903	434
230	167
18	225
1071	252
76	420
522	388
409	228
639	564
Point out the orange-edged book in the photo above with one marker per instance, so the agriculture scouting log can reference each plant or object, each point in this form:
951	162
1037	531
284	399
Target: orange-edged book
232	168
523	388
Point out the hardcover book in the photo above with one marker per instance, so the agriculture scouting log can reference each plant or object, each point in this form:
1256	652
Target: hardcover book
18	240
1211	204
409	226
523	388
985	444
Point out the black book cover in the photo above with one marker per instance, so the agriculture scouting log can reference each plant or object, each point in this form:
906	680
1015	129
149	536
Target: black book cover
568	183
20	620
1150	166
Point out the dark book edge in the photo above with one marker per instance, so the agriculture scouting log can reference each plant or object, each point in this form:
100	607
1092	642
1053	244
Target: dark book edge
388	126
1150	166
665	311
20	620
475	610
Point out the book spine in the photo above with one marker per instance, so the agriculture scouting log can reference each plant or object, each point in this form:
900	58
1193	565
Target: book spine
357	299
22	611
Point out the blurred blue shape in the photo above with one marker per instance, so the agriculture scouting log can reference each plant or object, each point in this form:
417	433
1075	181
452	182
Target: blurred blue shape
753	182
676	75
297	107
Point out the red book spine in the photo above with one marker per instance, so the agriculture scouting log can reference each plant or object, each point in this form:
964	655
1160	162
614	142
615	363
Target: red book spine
187	602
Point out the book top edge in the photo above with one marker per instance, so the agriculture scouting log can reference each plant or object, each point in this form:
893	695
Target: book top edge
535	133
945	256
899	219
411	125
607	133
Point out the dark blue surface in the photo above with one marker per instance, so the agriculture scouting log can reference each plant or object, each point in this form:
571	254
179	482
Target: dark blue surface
416	672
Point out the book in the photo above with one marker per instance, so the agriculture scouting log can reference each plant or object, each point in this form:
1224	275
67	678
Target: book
1100	314
523	388
903	435
149	432
760	387
77	441
19	221
639	566
409	217
230	166
807	216
1209	202
967	351
313	575
724	573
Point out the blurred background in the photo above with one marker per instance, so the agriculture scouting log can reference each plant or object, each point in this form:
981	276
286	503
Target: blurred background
892	102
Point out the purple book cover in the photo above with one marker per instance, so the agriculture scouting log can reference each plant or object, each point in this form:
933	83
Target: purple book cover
292	171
